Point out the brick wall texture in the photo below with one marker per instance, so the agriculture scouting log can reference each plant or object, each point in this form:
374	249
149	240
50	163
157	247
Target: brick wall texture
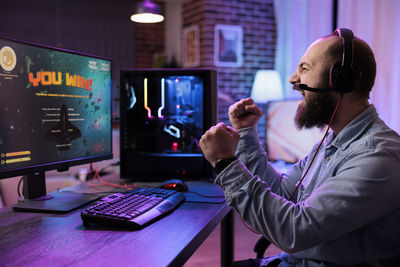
259	43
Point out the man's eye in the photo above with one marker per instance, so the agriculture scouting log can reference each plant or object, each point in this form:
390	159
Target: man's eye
302	68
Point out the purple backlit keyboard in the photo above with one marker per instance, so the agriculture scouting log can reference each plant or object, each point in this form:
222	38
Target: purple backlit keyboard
134	209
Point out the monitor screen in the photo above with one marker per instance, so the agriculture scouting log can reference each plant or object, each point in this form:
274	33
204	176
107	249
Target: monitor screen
164	113
55	108
283	140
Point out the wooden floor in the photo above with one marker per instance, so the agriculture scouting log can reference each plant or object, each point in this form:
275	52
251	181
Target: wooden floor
209	252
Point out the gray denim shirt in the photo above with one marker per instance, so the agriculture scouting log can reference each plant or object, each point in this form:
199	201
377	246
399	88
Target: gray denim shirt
347	209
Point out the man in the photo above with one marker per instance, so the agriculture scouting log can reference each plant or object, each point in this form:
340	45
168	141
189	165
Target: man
346	211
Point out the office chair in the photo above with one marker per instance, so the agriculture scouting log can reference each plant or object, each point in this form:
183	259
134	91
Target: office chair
261	246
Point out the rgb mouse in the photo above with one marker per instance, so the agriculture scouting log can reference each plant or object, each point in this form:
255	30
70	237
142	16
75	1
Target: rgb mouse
174	184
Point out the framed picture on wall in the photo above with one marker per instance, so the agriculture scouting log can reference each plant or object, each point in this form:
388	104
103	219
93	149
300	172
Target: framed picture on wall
191	53
228	45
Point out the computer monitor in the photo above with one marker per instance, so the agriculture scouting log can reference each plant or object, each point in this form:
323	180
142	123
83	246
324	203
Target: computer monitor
164	113
283	140
55	113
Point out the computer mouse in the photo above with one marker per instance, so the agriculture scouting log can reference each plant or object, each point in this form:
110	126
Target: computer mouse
174	184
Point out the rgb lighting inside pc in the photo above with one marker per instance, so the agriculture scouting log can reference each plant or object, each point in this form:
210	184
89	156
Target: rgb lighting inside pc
163	116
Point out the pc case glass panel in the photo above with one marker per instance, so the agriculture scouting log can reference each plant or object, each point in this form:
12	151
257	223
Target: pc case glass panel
167	114
163	122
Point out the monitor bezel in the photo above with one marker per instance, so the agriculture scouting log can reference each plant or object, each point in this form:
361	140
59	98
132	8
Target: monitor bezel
65	164
210	117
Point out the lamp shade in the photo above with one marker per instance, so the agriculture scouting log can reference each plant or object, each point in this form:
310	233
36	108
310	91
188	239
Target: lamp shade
267	86
147	12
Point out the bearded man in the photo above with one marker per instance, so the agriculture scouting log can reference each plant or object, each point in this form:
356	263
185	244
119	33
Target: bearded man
338	206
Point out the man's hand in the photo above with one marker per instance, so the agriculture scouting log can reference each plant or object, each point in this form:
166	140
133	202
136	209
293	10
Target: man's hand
244	113
219	142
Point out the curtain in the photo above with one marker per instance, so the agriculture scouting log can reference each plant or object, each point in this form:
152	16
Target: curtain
378	23
299	23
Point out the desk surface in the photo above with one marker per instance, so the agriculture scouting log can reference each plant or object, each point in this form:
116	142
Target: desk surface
40	239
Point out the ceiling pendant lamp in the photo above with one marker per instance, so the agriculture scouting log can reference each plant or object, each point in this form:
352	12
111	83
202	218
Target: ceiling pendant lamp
147	12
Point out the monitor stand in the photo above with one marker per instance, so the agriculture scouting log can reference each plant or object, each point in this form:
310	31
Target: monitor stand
36	199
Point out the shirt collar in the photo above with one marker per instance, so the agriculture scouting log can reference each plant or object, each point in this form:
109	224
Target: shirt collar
355	128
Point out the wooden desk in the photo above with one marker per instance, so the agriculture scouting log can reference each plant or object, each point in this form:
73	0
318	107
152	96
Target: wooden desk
40	239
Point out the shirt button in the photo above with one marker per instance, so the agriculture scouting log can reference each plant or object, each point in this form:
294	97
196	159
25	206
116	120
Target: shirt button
328	158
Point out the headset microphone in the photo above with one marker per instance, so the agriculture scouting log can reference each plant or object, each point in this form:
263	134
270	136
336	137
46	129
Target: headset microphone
304	87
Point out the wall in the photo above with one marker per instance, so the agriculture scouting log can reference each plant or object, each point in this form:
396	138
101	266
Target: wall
173	25
150	43
259	42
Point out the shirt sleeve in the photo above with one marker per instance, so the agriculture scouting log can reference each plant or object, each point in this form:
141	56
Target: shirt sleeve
254	157
364	188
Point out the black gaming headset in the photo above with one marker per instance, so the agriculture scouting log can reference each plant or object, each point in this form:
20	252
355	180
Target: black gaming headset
342	75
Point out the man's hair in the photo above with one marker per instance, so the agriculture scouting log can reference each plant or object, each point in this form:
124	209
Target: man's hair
363	61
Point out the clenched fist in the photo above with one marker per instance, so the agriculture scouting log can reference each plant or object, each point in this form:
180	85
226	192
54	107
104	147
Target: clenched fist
244	113
219	142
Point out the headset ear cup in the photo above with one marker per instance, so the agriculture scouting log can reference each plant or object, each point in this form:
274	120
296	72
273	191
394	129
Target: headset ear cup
334	76
342	80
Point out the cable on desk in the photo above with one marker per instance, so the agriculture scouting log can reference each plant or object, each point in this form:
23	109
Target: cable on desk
96	174
18	188
102	182
92	171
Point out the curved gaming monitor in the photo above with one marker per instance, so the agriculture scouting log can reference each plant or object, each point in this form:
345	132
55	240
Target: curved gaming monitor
55	110
164	113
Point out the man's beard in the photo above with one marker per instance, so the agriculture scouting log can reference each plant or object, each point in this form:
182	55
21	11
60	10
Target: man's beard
316	110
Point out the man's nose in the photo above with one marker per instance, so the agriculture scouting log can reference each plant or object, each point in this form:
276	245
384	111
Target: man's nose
294	78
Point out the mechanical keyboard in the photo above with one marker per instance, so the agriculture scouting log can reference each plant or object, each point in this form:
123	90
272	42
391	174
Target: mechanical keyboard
134	209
